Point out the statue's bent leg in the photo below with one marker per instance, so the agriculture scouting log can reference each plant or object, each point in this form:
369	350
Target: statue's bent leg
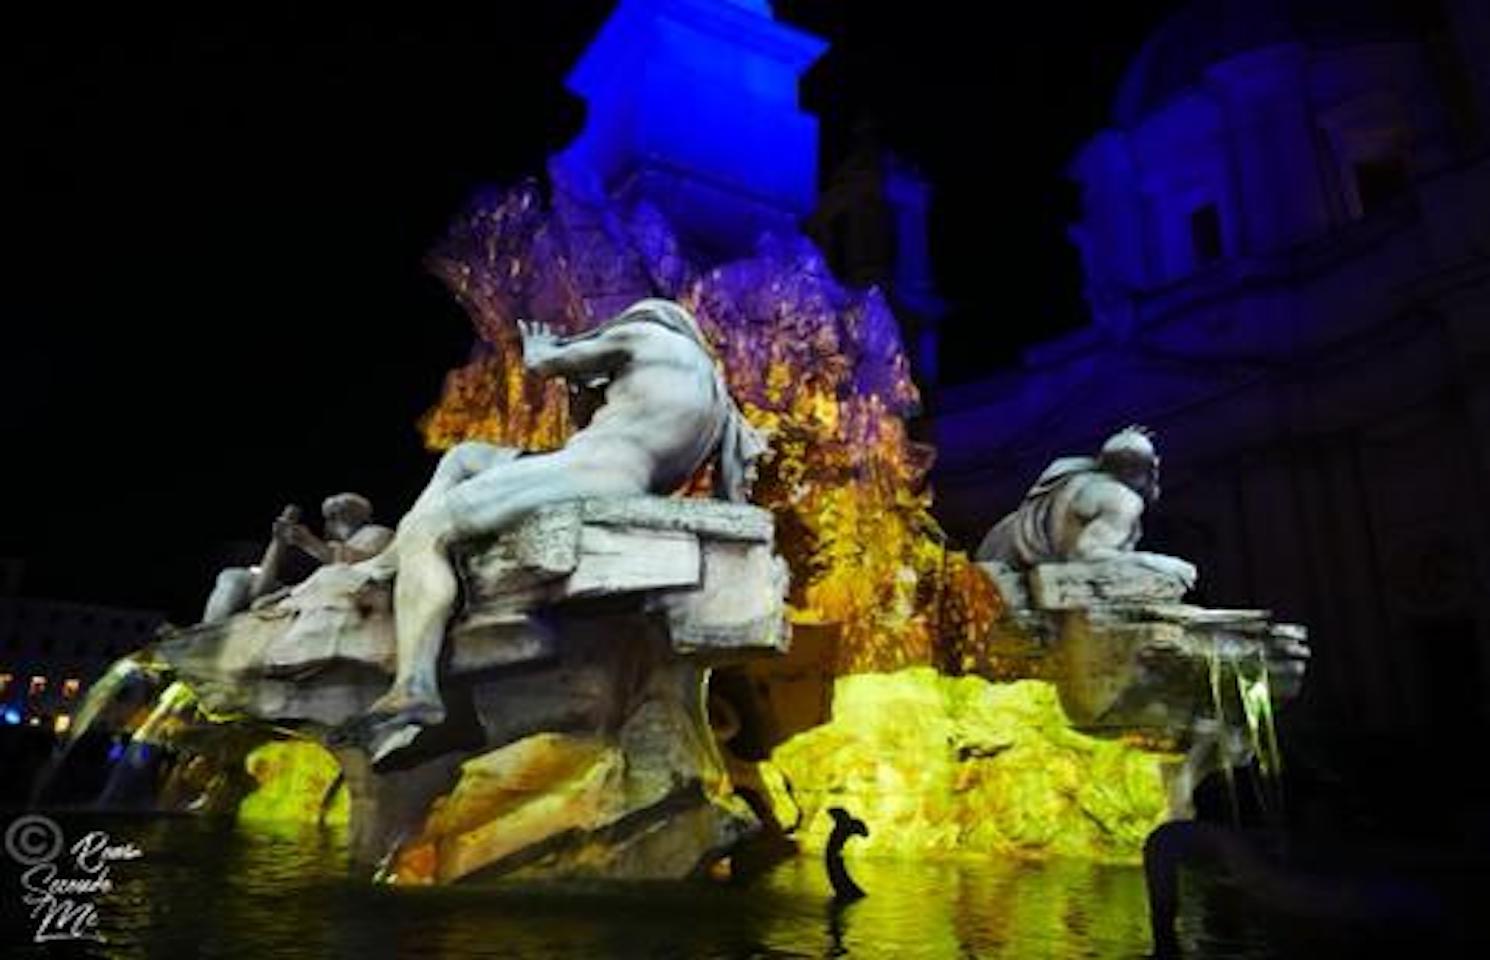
497	499
423	596
426	589
460	463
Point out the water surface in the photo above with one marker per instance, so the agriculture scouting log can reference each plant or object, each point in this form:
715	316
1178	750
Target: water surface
205	889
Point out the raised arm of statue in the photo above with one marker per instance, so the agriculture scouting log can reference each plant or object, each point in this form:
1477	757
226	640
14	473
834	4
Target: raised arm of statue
547	355
299	536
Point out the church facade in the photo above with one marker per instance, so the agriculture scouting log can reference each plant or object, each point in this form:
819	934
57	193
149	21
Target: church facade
1286	244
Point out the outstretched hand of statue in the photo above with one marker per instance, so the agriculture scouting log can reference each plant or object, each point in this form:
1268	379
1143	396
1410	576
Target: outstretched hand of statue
540	342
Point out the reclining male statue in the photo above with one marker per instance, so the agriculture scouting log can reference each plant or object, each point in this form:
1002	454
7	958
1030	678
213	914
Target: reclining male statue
1088	509
667	411
350	535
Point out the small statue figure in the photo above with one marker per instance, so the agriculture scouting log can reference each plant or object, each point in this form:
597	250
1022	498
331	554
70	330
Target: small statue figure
666	412
1087	508
350	534
350	537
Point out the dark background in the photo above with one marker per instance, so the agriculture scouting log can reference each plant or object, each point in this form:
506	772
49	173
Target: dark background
215	301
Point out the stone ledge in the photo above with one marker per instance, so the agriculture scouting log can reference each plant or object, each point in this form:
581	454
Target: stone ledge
706	567
1079	586
606	547
713	519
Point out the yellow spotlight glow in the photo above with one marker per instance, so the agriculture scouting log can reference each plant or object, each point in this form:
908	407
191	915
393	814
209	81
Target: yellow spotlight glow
298	786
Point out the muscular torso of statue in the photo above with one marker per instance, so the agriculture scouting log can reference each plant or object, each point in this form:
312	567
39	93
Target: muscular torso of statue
1087	509
1084	516
666	412
661	419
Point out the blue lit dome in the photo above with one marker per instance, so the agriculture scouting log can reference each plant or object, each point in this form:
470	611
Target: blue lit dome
1206	32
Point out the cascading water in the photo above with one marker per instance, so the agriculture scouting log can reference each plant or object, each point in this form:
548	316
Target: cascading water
113	709
1256	695
140	743
1248	670
136	779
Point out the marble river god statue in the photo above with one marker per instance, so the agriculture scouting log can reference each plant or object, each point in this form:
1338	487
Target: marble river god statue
517	686
1130	658
666	413
350	536
1088	509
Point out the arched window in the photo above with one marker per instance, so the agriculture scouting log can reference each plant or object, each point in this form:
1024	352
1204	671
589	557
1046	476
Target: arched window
1205	234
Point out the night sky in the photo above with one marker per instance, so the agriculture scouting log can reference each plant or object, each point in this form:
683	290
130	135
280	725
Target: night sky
215	301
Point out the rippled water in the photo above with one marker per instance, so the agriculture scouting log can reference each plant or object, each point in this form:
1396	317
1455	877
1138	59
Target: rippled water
207	890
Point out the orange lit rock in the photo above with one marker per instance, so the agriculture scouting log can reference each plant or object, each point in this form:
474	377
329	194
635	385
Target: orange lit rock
514	798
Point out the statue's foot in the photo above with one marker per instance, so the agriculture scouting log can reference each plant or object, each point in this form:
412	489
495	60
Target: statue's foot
390	725
390	738
425	710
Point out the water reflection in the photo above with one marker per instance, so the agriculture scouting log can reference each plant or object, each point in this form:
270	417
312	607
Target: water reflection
973	908
212	891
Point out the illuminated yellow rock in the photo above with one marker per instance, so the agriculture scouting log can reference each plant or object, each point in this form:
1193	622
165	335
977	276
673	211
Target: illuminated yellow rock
296	780
939	765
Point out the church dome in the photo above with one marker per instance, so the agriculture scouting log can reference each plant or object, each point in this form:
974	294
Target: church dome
1205	32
